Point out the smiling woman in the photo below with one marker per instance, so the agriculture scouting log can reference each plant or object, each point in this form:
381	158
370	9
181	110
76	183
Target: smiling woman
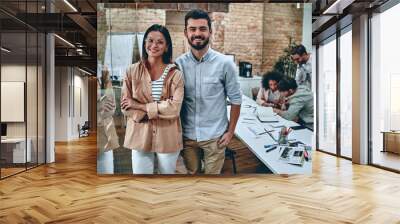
152	96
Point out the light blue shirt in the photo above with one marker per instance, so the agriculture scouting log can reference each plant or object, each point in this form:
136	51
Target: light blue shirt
208	83
303	74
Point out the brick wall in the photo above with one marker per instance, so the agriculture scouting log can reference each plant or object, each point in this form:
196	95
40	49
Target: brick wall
243	33
281	22
101	31
218	27
132	20
175	23
125	20
253	32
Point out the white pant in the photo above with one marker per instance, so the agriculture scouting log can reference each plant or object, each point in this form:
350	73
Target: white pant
143	162
105	163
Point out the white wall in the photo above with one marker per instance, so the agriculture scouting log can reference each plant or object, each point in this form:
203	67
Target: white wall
70	83
61	103
14	72
33	126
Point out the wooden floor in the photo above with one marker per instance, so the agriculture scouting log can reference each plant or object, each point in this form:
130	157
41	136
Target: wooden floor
246	161
70	191
386	159
10	171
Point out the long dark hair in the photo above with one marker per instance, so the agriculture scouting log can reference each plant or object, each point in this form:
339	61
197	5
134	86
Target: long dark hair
167	56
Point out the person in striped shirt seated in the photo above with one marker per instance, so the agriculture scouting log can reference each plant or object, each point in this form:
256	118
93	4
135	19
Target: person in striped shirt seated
151	98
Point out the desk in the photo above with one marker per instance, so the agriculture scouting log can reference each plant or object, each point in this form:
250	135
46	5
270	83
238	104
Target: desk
391	141
16	147
256	143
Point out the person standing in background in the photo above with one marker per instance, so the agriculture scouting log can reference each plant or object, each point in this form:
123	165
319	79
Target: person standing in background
304	67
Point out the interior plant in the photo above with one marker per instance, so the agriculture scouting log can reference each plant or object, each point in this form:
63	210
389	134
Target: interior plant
285	64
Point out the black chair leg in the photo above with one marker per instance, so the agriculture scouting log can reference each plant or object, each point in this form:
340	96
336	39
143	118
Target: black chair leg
231	155
234	163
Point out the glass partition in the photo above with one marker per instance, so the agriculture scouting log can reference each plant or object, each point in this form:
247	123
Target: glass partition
346	93
14	153
385	89
23	90
327	97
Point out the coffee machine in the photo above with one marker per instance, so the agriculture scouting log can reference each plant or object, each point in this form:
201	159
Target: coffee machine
245	69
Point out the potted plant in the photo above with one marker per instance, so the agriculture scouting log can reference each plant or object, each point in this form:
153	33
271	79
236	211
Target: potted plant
285	64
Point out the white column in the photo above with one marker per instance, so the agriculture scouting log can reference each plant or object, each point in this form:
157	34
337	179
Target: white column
307	26
360	90
314	90
50	101
50	90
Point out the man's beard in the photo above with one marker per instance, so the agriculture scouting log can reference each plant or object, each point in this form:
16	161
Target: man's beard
201	46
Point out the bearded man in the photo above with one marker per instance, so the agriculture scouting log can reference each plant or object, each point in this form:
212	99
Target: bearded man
210	78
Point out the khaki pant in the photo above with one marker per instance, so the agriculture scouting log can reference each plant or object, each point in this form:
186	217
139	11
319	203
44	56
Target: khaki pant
214	156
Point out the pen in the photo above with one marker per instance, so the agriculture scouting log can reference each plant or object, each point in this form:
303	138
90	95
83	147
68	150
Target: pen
270	149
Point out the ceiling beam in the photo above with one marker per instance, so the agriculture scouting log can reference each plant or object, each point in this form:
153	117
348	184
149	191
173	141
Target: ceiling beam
83	61
84	24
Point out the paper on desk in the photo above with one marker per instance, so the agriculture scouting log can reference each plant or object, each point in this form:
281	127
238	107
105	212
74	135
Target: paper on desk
266	114
256	130
265	111
252	131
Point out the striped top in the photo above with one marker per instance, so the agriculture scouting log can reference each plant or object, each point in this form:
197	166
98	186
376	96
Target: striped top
157	85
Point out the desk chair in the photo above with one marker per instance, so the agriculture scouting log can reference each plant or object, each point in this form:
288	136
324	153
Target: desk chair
230	154
254	92
84	130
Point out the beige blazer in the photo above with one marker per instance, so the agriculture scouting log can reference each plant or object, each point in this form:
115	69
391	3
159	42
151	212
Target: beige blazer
263	95
159	128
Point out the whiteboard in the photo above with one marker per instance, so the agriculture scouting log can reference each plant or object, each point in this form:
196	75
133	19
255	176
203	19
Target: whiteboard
12	101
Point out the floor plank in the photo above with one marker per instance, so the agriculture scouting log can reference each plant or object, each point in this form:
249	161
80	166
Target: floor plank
70	191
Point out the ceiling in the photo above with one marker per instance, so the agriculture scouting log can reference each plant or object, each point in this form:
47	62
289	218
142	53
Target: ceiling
76	25
76	21
331	15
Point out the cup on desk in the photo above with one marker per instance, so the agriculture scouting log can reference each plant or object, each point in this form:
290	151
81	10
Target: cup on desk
283	135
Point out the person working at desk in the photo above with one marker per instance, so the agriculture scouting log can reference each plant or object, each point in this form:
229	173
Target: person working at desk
300	100
269	95
304	66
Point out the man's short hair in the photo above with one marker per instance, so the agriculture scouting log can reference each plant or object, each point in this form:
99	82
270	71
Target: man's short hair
197	14
286	84
298	49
